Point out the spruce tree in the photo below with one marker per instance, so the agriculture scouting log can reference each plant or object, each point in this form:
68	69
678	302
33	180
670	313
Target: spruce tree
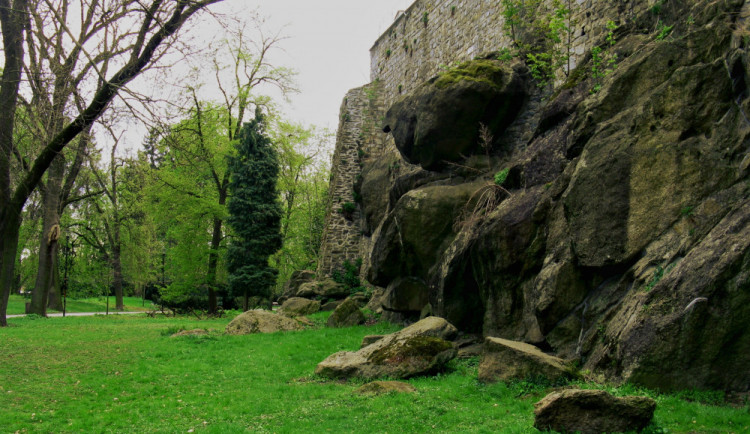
254	213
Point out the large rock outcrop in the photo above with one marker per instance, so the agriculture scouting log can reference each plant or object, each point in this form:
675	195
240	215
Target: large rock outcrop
624	243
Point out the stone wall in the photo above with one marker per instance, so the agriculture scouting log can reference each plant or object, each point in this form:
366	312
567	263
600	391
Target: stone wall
358	135
426	38
434	34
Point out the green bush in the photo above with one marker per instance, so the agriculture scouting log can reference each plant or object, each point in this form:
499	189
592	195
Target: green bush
501	176
348	275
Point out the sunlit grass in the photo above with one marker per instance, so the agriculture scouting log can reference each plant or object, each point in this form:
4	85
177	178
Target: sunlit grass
125	374
17	303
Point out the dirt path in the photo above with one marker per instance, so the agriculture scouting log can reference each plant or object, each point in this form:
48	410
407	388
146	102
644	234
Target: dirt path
59	314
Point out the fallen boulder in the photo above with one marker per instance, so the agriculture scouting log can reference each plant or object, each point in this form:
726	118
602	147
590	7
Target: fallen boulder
261	321
505	360
298	306
370	339
419	349
298	278
592	412
347	314
383	387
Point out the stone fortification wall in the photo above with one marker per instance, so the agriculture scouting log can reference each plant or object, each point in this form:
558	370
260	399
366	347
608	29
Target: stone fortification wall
429	36
357	136
432	34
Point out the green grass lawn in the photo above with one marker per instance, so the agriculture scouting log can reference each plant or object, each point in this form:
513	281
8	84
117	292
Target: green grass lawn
17	303
125	374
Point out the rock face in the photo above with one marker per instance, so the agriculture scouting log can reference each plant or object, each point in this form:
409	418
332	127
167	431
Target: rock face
504	360
419	349
347	314
625	240
592	412
261	321
298	306
439	121
297	279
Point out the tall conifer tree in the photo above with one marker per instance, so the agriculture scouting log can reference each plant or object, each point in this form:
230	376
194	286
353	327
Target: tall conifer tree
254	212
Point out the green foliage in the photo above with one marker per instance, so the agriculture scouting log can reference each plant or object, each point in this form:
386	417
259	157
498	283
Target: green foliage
687	211
603	62
542	35
348	275
348	208
388	53
655	278
254	212
501	176
480	71
144	379
656	8
663	31
425	18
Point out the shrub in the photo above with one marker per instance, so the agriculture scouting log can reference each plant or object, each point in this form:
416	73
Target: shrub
348	275
501	176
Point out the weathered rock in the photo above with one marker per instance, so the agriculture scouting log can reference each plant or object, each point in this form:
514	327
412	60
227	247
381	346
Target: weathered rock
297	306
440	120
592	412
376	300
370	339
359	298
504	360
326	288
415	233
347	314
261	321
406	294
331	305
384	387
416	350
295	281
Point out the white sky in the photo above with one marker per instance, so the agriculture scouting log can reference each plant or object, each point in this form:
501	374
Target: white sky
328	45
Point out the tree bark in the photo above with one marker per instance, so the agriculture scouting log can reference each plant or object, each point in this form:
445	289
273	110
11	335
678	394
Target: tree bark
48	240
213	255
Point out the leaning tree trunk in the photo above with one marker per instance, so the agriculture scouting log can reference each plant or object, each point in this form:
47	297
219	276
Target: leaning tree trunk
54	295
50	235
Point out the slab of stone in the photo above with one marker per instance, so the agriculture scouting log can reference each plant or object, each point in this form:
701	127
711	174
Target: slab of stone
592	412
370	339
416	350
504	360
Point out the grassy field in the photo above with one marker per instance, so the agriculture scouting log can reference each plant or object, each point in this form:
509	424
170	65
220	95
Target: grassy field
125	374
16	304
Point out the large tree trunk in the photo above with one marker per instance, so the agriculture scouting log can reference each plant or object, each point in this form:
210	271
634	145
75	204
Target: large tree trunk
11	21
50	235
54	296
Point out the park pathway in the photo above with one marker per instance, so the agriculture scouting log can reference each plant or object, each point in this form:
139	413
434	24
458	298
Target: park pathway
59	314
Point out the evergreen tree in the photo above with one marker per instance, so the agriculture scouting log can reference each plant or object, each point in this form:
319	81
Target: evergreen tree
254	213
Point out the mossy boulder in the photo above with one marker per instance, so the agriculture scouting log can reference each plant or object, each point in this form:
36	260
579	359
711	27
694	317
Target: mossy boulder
325	288
298	306
592	412
416	350
295	281
261	321
439	121
347	314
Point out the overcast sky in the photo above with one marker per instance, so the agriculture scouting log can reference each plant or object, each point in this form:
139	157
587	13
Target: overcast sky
328	45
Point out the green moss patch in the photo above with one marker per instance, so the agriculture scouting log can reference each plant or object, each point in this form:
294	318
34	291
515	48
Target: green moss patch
481	71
